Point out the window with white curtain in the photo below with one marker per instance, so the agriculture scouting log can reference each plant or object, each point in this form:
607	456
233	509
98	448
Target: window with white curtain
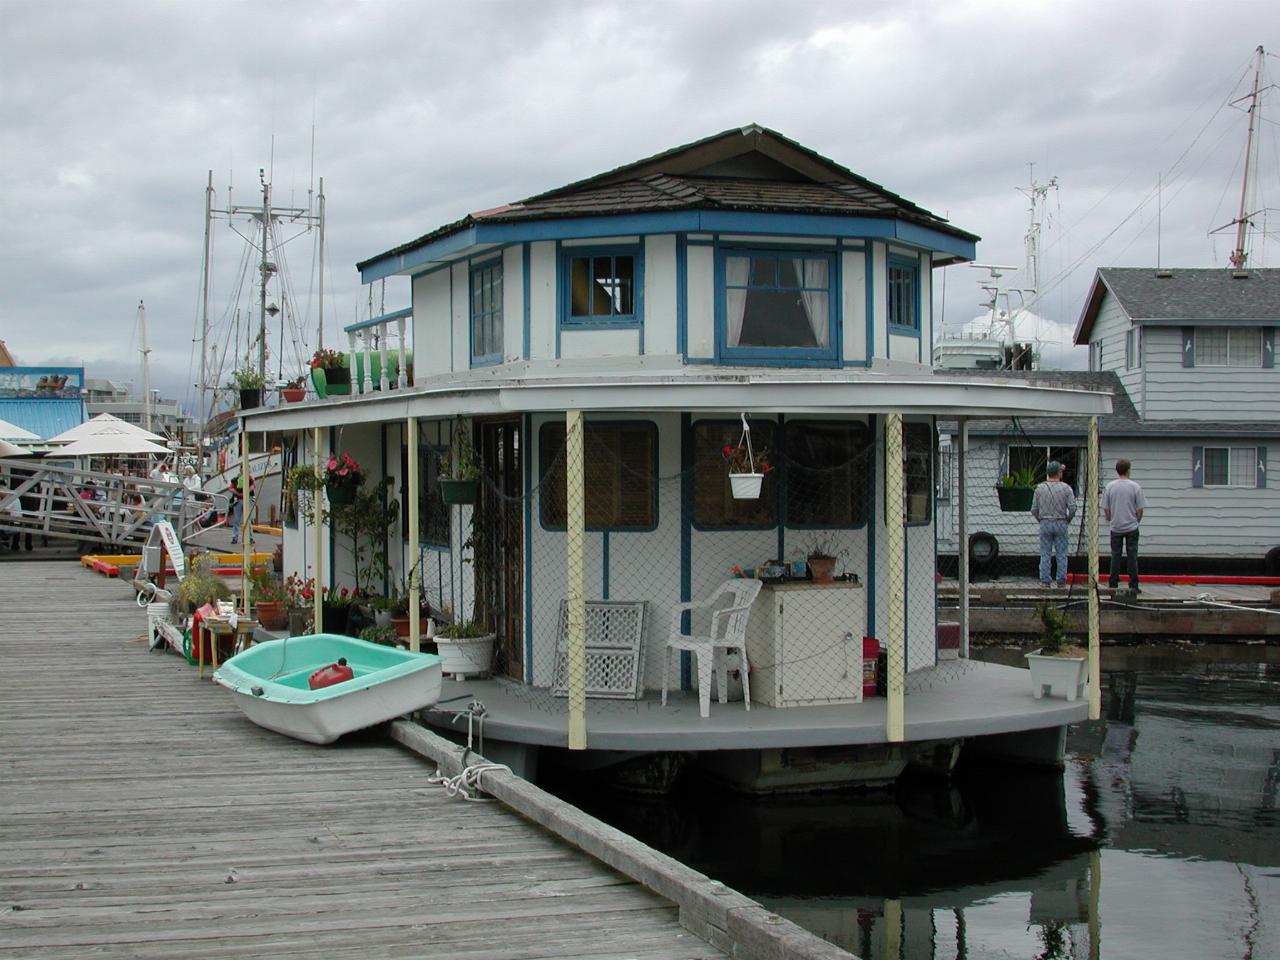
1230	466
776	305
1228	346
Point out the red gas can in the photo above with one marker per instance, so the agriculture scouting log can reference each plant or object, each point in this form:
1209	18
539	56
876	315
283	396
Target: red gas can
870	656
328	676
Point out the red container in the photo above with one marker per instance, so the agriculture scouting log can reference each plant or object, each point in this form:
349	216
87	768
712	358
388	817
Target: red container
870	657
328	676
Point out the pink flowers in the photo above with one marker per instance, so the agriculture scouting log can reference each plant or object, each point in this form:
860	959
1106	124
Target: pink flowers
341	469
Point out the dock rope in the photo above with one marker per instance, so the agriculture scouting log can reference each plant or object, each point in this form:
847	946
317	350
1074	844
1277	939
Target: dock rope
1208	599
467	783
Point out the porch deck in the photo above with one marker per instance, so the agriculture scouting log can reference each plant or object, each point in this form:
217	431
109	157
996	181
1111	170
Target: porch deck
963	698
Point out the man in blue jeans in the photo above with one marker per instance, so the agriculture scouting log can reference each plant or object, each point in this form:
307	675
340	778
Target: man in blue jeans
1054	504
1123	503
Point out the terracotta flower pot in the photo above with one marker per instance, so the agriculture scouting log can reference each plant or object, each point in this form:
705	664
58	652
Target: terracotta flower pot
293	394
272	614
822	568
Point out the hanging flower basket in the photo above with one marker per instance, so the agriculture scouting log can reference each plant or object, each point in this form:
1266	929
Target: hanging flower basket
746	486
340	494
1015	499
457	492
342	478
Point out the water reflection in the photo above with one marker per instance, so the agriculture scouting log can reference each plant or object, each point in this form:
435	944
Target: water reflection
1161	837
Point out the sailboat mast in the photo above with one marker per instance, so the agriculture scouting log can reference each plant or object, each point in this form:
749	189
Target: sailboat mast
262	295
204	328
146	366
1239	256
320	300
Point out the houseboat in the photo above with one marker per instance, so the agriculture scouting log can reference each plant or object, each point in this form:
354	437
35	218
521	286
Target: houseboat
612	351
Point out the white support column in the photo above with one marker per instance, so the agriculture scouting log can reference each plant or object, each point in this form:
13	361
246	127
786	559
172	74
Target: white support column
351	355
317	502
575	538
410	492
962	534
896	614
1091	520
366	378
402	380
384	382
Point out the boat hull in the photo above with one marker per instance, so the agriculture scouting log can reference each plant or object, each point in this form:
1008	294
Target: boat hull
268	683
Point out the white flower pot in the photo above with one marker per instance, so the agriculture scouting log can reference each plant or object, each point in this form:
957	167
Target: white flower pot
746	486
462	656
1057	676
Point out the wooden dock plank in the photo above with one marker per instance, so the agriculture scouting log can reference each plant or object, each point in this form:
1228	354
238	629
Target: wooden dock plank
142	816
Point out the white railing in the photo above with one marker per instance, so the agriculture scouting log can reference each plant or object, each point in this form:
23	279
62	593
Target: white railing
95	507
372	337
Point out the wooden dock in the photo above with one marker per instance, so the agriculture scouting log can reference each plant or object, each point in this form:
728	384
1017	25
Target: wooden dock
142	816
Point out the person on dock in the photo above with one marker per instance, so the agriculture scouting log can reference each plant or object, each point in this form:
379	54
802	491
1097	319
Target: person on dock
189	478
1122	504
1054	505
235	514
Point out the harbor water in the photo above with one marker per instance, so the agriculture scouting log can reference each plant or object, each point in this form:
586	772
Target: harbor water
1160	838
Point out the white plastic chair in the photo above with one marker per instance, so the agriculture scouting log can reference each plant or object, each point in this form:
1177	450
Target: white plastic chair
728	632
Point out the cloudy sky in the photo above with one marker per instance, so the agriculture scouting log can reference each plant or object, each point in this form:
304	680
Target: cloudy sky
415	113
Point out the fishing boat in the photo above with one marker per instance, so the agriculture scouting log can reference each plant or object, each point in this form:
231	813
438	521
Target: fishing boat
272	683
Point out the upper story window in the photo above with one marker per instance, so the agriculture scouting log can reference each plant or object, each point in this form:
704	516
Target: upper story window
1228	346
1133	349
601	286
904	296
777	306
486	313
620	475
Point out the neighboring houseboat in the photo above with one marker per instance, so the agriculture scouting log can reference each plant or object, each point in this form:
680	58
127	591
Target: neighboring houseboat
1190	357
741	279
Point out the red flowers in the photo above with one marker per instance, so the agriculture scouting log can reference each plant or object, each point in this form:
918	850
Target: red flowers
341	469
742	461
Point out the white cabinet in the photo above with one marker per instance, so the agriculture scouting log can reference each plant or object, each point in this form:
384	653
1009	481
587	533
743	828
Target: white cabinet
804	643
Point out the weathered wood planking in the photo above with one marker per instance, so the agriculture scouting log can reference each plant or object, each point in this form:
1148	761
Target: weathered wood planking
142	816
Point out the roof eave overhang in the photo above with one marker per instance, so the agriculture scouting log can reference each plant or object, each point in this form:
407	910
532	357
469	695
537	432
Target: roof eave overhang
672	395
468	240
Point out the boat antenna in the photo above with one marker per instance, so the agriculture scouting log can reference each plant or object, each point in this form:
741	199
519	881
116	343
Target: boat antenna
320	302
1240	256
262	294
204	327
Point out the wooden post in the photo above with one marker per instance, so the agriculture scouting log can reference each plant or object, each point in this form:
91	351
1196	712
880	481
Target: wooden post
895	542
245	526
1091	520
317	605
410	493
575	537
962	534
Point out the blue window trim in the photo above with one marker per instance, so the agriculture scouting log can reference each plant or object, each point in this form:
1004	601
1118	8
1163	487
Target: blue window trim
630	321
652	427
490	264
778	356
895	261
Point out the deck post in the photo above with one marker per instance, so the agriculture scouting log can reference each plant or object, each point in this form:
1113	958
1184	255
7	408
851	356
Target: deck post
317	604
575	536
245	525
1091	519
410	492
895	614
962	534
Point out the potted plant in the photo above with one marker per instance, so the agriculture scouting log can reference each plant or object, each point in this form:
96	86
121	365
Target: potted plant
329	372
271	600
747	466
250	383
301	594
294	390
380	634
335	608
200	586
460	478
1057	668
300	485
1016	490
821	557
465	647
342	477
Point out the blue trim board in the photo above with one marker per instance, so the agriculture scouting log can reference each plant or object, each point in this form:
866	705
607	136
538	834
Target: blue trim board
527	456
686	530
526	257
559	300
867	282
689	221
682	295
376	321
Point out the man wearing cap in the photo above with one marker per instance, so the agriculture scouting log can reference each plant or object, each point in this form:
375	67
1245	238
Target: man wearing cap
1054	505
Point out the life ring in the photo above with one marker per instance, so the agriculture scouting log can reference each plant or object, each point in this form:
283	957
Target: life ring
984	548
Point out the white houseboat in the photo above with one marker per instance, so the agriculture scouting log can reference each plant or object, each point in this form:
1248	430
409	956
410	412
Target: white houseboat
741	279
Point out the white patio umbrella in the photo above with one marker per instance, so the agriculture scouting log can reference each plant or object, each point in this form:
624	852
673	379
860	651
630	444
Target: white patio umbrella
9	431
103	423
106	444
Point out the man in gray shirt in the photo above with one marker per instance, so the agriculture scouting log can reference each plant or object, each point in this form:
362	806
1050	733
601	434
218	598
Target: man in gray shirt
1054	504
1122	504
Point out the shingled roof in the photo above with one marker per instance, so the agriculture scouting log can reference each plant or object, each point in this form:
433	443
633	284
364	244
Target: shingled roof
1185	296
750	169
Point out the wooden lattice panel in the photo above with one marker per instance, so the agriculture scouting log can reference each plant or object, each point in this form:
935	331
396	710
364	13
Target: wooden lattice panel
615	649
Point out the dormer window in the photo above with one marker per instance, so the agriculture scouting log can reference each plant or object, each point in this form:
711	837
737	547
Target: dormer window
775	306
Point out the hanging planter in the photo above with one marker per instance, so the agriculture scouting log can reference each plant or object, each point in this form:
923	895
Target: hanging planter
249	399
747	467
458	492
340	494
1015	499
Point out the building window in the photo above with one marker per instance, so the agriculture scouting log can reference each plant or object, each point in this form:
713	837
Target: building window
827	469
714	507
486	313
917	460
1230	466
433	515
621	475
904	296
1228	347
1037	458
776	305
601	286
1133	349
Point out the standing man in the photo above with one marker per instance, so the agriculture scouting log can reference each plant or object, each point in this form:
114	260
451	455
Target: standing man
1054	504
1122	504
